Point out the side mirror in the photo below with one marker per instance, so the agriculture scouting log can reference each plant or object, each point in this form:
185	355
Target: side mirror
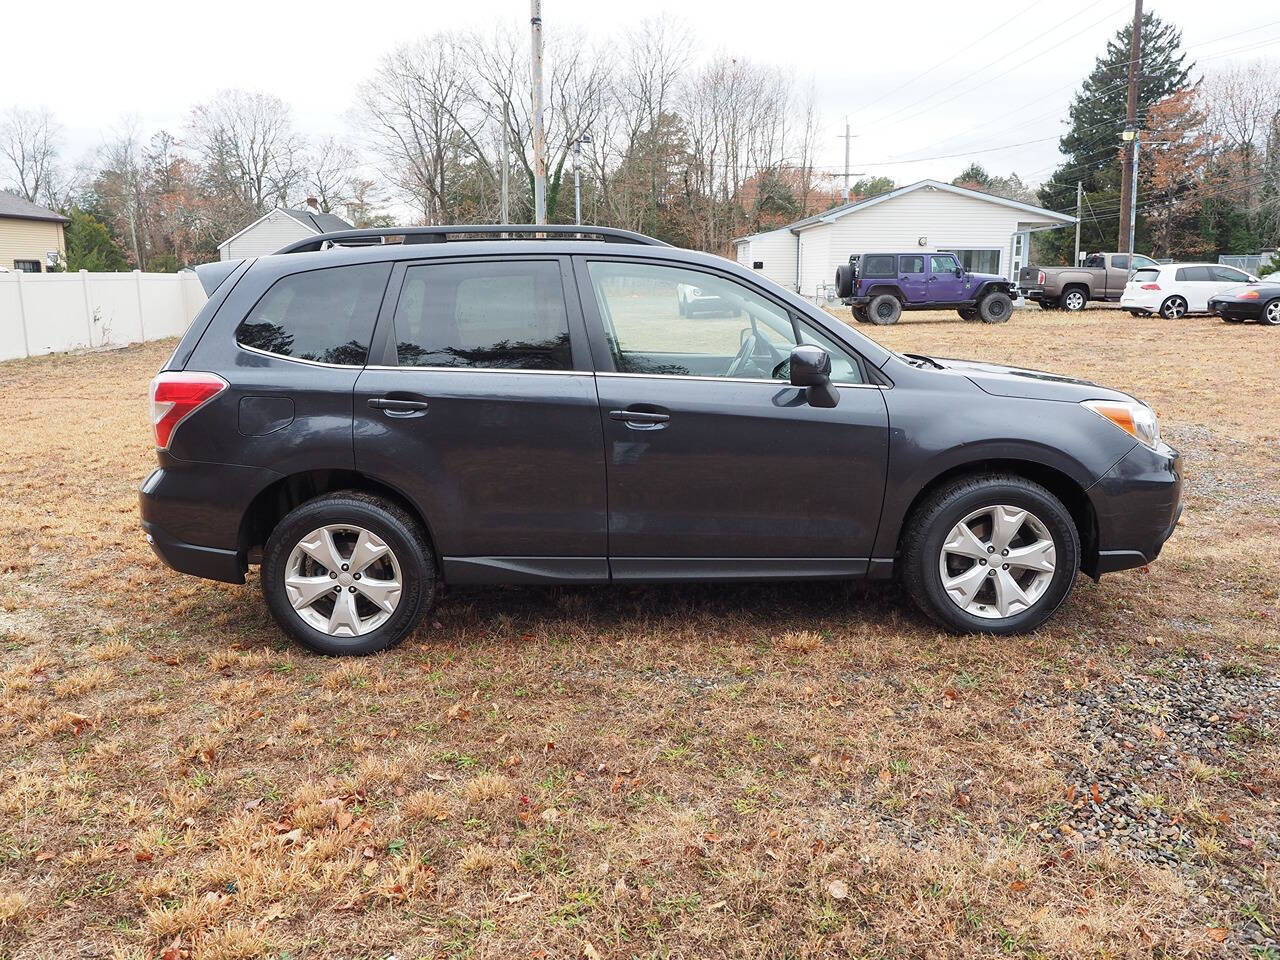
959	271
811	369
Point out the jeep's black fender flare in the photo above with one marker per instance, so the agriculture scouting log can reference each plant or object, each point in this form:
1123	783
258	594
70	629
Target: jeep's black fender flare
1004	286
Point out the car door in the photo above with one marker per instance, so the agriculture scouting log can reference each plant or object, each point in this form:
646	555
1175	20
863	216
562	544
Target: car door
715	465
912	277
1196	285
483	412
944	285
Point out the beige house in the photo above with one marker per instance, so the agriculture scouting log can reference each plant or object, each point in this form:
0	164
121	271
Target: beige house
31	237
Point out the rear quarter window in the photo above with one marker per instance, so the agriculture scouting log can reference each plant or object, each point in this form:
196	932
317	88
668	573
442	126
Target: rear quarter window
325	316
879	265
1147	275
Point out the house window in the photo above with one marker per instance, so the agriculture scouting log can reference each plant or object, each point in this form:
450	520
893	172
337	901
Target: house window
980	261
27	266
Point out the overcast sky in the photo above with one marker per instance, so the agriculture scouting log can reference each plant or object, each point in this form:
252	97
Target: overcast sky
999	72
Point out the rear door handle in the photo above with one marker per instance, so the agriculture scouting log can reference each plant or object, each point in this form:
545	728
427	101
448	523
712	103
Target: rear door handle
398	408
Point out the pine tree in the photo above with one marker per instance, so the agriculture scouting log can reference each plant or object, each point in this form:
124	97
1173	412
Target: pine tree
1092	145
89	245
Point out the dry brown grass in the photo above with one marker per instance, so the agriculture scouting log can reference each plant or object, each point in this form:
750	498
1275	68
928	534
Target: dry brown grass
779	771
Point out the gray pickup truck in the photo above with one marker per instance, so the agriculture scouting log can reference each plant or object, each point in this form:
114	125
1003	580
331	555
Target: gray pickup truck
1101	276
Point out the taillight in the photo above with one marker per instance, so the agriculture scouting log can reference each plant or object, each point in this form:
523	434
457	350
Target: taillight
175	395
1151	286
1040	277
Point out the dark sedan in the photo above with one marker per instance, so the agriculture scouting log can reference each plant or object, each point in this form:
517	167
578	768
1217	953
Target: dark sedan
1252	301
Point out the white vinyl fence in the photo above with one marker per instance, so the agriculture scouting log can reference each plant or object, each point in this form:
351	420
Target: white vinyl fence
52	312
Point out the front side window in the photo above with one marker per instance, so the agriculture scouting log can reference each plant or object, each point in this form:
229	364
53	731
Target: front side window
669	321
324	315
1229	275
504	315
942	264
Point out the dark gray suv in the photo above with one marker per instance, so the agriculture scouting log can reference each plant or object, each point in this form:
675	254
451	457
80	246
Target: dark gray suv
369	420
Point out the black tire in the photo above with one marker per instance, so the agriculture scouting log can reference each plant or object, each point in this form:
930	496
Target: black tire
884	309
1174	308
844	280
1074	299
930	523
860	314
1238	320
995	307
1046	305
1270	315
1135	313
397	529
968	313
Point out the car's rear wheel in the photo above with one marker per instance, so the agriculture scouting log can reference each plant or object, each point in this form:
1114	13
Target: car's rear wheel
1270	314
1174	308
1045	304
995	307
1073	300
860	314
884	309
968	313
990	554
348	574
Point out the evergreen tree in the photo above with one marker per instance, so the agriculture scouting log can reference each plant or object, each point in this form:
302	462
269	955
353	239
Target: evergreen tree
89	245
1092	145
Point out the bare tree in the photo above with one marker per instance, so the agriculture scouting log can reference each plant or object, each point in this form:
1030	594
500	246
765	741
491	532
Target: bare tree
247	140
331	175
29	142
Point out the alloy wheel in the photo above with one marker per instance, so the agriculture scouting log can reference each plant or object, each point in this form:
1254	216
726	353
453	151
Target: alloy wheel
1174	309
1074	300
997	562
343	580
1271	314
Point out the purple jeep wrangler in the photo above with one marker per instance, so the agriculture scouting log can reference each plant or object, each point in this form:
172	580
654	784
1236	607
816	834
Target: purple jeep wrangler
879	286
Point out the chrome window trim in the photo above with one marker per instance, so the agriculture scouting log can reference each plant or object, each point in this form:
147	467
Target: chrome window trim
776	383
541	373
314	363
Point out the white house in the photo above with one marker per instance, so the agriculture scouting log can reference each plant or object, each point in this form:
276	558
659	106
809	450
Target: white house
990	234
282	226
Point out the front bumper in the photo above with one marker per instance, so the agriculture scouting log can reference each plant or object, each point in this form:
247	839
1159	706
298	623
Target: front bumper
1137	504
1238	309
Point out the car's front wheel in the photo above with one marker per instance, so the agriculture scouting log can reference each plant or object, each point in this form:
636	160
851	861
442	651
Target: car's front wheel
348	573
995	307
1270	315
990	554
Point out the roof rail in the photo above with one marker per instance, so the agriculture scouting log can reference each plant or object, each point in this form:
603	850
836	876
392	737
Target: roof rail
376	236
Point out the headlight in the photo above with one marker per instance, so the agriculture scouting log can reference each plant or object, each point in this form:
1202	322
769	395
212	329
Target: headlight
1132	416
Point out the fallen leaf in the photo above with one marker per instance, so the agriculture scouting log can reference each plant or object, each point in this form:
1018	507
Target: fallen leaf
1217	934
838	889
519	897
144	856
1097	797
1017	886
589	951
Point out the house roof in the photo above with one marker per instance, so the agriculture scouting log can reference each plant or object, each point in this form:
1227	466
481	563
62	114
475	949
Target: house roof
315	222
319	222
12	205
835	213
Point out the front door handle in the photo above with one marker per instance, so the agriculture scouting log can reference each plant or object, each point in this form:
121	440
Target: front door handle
640	419
399	408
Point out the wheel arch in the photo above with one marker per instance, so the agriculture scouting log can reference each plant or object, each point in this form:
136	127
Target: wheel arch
886	288
270	505
1061	484
1076	285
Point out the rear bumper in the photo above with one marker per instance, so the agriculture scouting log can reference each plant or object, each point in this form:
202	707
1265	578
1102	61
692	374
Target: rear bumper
1239	309
1143	304
192	515
1137	504
1037	295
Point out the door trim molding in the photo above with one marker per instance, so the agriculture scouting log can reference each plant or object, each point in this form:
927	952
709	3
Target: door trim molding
680	569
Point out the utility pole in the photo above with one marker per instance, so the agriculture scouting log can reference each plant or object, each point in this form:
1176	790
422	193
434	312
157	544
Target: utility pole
506	202
846	138
577	185
1079	193
1133	200
539	137
1128	187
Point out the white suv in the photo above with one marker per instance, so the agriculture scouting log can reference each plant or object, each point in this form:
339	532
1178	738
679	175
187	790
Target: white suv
1175	289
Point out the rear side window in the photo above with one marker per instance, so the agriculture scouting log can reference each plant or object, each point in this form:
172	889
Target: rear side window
1147	275
878	265
912	264
322	315
1194	274
507	315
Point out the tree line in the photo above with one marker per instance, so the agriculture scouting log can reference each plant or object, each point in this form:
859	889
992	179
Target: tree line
693	150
